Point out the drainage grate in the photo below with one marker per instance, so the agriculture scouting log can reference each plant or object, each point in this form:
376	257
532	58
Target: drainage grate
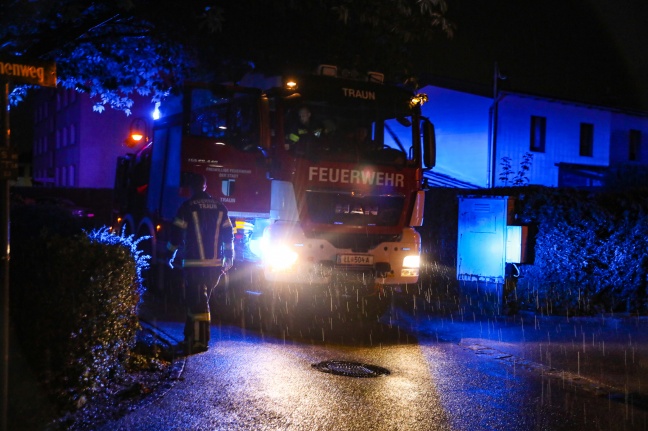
350	369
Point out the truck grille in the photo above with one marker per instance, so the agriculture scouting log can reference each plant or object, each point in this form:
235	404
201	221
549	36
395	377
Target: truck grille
353	210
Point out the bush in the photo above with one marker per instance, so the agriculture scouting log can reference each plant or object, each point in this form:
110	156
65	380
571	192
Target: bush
74	305
591	252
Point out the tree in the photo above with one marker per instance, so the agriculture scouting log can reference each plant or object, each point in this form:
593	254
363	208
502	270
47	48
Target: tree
113	49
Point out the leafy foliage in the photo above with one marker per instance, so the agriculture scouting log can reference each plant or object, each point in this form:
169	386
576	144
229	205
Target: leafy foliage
112	50
522	177
507	170
104	235
591	251
74	306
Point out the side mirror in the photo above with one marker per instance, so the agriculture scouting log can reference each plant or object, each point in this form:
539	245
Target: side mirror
429	144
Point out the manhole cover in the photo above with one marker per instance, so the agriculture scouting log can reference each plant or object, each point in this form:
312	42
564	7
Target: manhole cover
350	369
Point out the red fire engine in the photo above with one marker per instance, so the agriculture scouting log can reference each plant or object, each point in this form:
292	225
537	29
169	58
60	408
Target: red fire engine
322	176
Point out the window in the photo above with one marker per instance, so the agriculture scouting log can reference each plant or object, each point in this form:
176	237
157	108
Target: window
71	176
634	145
230	118
586	140
72	134
538	132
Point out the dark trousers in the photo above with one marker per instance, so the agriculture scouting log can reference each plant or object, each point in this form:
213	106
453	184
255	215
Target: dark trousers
199	282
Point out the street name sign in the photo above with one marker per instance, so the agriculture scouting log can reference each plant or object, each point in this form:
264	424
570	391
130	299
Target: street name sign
26	71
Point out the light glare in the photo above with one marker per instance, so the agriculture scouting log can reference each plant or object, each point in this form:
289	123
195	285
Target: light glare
156	112
280	257
413	261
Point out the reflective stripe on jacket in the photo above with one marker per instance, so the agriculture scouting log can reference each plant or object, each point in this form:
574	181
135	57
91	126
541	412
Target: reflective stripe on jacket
204	227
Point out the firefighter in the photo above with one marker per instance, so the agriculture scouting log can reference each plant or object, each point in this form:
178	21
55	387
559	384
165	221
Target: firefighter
204	231
305	131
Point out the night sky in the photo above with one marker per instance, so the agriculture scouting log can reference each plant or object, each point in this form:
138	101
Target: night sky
592	51
584	50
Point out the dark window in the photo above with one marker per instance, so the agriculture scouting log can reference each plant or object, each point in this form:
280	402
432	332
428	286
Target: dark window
232	118
538	132
635	145
586	139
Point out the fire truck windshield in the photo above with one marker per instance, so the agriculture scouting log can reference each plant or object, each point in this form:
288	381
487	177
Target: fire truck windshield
349	133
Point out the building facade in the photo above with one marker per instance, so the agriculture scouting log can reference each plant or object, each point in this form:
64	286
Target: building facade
75	146
487	141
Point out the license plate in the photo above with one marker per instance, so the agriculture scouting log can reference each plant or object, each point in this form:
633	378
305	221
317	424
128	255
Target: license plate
354	259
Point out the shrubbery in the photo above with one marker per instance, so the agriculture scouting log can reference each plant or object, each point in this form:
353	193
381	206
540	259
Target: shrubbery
74	302
591	252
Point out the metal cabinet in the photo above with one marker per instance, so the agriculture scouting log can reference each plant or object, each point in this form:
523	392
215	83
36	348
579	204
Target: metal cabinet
489	237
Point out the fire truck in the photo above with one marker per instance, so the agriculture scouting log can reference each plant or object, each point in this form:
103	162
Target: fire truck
330	207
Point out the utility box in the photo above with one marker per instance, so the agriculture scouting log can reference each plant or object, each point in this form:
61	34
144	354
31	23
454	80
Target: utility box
489	237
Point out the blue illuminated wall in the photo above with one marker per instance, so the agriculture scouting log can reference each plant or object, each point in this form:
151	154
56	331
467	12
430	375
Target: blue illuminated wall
461	121
467	151
562	137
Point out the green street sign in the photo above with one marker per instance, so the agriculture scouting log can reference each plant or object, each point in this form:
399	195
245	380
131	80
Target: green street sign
25	71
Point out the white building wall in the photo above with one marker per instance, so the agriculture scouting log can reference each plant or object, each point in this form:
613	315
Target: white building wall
562	136
461	124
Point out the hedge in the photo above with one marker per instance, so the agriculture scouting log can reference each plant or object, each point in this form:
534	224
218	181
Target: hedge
591	251
74	298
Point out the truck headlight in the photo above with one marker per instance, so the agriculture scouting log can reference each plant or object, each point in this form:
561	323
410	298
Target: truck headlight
412	261
280	258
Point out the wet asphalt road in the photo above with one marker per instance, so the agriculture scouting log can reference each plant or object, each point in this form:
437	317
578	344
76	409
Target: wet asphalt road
446	372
